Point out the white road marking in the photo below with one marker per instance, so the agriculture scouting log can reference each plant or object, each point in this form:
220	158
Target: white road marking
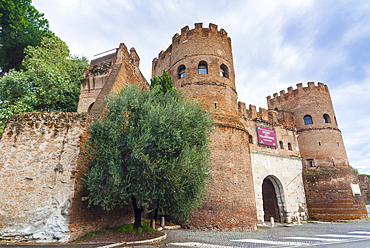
112	245
269	242
343	236
312	238
331	238
358	232
201	245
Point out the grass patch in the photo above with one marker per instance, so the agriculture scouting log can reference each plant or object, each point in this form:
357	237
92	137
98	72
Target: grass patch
145	227
89	234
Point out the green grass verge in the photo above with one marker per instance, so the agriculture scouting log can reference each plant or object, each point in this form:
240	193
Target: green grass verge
145	227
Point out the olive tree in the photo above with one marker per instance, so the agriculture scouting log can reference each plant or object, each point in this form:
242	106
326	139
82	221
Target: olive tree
151	149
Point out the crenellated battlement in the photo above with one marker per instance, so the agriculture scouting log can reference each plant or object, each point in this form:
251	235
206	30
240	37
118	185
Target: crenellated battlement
201	32
270	116
162	55
197	33
286	96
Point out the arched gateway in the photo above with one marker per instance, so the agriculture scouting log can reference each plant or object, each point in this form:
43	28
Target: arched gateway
273	199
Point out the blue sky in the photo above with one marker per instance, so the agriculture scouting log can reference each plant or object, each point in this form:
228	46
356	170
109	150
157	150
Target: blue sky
276	44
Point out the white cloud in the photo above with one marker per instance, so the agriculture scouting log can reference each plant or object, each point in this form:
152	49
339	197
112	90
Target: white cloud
276	44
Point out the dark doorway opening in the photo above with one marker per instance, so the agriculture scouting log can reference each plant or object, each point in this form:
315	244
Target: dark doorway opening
270	205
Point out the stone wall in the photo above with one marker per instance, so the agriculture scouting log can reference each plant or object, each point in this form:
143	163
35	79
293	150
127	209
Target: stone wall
84	218
365	187
333	193
282	165
192	47
330	184
364	183
230	203
286	174
119	68
42	161
320	142
38	165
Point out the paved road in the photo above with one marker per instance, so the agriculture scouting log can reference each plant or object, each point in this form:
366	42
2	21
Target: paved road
333	235
328	235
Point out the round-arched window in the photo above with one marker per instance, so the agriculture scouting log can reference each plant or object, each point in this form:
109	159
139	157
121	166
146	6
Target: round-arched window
224	71
281	144
289	146
202	67
326	118
307	120
181	71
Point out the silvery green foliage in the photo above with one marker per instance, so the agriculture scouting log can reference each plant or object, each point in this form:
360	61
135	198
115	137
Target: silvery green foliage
153	148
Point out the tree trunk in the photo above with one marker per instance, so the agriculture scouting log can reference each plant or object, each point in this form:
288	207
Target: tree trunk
137	211
156	211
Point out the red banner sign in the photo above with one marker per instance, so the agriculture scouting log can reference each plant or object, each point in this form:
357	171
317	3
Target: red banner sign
266	136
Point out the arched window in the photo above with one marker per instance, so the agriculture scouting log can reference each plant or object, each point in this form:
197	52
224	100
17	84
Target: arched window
326	118
224	71
90	107
307	120
250	139
202	67
181	71
289	146
281	144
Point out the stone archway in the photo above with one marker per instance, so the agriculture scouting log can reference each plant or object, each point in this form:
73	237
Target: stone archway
90	107
273	199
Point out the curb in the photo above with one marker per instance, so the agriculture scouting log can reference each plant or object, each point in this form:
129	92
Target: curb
172	227
175	227
136	242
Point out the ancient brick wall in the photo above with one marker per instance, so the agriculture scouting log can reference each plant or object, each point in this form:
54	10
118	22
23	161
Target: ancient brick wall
189	49
364	183
230	204
330	195
109	74
42	161
330	184
85	219
365	188
320	142
94	80
282	164
286	134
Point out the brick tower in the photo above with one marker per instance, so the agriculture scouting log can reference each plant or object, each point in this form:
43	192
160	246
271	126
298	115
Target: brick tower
331	185
200	63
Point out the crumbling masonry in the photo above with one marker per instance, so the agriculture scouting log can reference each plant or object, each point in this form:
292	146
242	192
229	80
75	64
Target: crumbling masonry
287	162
